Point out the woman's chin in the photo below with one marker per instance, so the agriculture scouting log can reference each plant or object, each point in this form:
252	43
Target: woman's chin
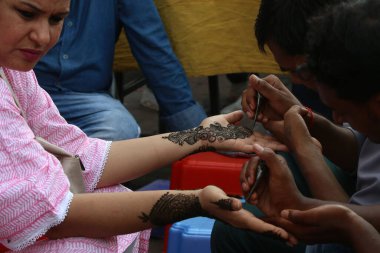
23	67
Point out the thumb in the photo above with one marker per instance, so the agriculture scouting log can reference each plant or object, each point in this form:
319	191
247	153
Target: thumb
299	217
269	156
262	86
234	117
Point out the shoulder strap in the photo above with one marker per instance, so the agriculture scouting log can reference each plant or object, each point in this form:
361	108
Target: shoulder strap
4	77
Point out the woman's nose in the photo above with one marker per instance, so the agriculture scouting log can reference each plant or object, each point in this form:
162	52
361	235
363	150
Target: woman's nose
41	34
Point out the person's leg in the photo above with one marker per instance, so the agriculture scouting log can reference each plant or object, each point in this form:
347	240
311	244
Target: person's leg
99	115
165	75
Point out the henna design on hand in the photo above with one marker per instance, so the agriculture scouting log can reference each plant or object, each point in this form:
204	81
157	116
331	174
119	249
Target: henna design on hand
212	133
171	208
225	204
204	149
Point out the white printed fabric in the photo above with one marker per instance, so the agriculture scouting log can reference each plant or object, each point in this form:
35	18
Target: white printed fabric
34	191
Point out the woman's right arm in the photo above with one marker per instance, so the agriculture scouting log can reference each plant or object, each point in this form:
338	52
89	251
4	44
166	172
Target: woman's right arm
107	214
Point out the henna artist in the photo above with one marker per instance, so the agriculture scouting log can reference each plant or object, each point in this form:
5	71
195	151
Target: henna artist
35	198
343	53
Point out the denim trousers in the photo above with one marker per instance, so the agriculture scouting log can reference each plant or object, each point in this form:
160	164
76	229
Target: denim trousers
165	75
99	115
78	64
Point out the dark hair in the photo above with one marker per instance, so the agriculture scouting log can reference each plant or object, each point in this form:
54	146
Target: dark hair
285	22
343	47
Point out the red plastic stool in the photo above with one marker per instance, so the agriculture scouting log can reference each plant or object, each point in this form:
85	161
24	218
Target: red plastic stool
208	168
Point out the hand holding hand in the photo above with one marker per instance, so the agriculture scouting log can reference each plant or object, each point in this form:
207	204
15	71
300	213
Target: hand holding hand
278	190
217	204
296	132
224	133
323	224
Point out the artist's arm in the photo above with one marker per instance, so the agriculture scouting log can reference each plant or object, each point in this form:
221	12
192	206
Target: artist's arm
308	153
349	228
339	144
278	192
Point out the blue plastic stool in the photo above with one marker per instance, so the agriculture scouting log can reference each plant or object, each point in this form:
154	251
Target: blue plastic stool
191	235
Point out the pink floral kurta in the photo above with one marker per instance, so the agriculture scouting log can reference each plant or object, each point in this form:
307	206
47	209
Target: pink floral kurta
34	190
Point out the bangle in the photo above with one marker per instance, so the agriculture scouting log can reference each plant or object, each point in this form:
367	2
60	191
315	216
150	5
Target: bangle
310	116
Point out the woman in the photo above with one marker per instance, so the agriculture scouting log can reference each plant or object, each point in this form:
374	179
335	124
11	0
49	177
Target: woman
35	199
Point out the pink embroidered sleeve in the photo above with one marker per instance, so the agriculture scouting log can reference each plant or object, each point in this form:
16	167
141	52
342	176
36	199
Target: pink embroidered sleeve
34	190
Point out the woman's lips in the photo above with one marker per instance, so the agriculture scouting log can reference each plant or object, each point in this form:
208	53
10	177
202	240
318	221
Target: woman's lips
31	54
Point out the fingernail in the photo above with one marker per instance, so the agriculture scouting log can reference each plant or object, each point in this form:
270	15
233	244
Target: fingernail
253	76
285	213
258	147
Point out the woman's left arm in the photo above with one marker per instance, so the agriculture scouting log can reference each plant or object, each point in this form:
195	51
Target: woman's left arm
133	158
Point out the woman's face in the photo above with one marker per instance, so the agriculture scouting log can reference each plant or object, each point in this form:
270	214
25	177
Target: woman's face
28	29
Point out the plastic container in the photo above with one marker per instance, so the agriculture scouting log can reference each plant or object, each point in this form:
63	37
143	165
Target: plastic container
208	168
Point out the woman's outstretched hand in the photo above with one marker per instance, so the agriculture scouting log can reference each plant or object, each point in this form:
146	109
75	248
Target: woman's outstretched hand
217	204
224	133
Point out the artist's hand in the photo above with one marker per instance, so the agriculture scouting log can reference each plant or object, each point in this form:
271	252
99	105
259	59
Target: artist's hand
293	130
223	132
323	224
278	98
277	190
217	204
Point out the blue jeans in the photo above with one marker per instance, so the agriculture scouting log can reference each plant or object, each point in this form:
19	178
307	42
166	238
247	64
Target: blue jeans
78	64
99	115
164	73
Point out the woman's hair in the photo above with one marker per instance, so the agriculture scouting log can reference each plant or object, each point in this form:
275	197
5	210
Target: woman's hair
285	22
343	47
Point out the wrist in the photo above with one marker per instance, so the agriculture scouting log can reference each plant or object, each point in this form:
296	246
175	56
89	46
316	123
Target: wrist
352	226
306	151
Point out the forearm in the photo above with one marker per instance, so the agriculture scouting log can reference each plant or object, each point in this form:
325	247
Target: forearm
319	177
131	159
370	213
107	214
339	144
363	237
